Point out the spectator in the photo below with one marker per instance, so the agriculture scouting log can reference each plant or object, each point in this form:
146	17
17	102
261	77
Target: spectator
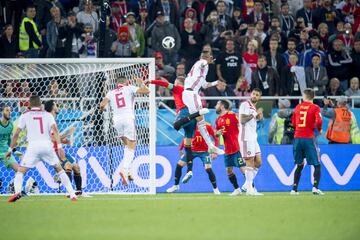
276	34
304	43
291	49
54	90
300	26
9	46
165	71
24	93
221	89
306	13
316	76
326	14
71	32
293	80
265	78
355	55
89	45
161	30
347	38
191	14
260	30
228	64
224	19
242	89
55	44
123	47
338	31
146	27
161	91
271	8
117	19
340	121
168	10
258	14
273	56
14	10
211	76
190	44
136	34
334	88
250	35
315	49
354	90
29	38
250	58
323	31
237	19
211	31
275	24
88	16
352	12
339	64
287	21
179	72
277	124
110	37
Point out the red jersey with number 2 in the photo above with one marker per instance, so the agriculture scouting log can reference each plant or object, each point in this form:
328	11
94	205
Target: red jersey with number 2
306	118
229	123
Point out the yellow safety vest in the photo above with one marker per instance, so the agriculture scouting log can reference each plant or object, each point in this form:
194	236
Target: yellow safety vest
24	40
279	134
354	131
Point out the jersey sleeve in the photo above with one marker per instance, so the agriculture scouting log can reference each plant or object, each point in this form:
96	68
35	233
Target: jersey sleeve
318	118
244	109
133	89
51	120
21	123
177	89
234	118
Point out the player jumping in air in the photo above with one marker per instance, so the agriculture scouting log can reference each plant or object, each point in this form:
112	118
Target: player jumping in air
121	100
189	127
68	164
39	125
249	146
306	119
227	125
195	80
200	150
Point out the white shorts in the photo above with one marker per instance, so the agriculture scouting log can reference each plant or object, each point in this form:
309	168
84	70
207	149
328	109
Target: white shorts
39	152
125	128
249	149
192	100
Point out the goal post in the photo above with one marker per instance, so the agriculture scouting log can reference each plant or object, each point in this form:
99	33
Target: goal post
78	86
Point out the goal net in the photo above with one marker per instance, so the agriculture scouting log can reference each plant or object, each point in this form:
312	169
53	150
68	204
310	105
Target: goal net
78	86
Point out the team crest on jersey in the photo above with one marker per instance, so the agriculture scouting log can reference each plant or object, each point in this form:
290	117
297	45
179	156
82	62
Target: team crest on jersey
227	121
248	152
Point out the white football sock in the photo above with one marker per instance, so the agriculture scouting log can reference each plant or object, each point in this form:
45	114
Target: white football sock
249	176
66	182
128	158
18	181
204	133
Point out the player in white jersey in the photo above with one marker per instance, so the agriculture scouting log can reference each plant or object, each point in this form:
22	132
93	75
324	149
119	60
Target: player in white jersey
249	146
121	100
39	125
195	80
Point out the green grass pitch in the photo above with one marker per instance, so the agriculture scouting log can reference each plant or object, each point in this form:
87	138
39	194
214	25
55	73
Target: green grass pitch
183	216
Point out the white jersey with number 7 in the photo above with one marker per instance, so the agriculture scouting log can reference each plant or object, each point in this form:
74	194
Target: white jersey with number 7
38	125
122	101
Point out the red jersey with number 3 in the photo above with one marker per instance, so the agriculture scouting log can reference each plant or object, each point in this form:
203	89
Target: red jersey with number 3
229	123
306	118
122	101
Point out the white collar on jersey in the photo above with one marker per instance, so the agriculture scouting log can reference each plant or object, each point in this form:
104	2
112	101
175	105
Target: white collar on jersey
35	108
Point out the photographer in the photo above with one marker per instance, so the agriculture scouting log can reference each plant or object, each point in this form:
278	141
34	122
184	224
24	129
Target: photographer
281	130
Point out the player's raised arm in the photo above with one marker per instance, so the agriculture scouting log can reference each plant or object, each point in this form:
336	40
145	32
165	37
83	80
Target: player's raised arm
143	89
13	142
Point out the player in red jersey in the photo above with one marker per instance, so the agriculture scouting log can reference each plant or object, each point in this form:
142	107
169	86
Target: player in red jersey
199	149
227	125
183	119
306	119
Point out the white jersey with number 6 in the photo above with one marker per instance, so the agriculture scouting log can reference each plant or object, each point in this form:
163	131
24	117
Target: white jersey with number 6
196	77
122	101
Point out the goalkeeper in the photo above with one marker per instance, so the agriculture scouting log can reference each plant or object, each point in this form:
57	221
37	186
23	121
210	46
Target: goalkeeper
68	164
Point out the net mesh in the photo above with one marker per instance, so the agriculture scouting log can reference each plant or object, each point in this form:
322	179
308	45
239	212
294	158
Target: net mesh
78	88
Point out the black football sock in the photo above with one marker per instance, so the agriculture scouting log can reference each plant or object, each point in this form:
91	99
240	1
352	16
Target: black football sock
189	158
78	181
68	173
179	123
212	177
297	176
317	175
233	180
178	174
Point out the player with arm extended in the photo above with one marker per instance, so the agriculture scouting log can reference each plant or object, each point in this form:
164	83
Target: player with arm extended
121	100
182	112
195	80
249	146
306	119
68	164
200	150
39	125
227	125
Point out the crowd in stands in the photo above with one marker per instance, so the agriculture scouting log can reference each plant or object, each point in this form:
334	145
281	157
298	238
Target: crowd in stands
279	46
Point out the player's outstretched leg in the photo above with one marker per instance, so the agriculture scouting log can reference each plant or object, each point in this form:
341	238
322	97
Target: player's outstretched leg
317	174
205	135
181	122
297	175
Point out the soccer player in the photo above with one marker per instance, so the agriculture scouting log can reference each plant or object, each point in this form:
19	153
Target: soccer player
306	119
121	100
68	164
195	80
200	150
249	146
39	125
227	125
182	112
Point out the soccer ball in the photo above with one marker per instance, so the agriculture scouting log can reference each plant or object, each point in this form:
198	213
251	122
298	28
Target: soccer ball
168	42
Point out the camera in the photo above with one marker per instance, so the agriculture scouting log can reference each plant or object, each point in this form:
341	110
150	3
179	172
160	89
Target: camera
347	32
